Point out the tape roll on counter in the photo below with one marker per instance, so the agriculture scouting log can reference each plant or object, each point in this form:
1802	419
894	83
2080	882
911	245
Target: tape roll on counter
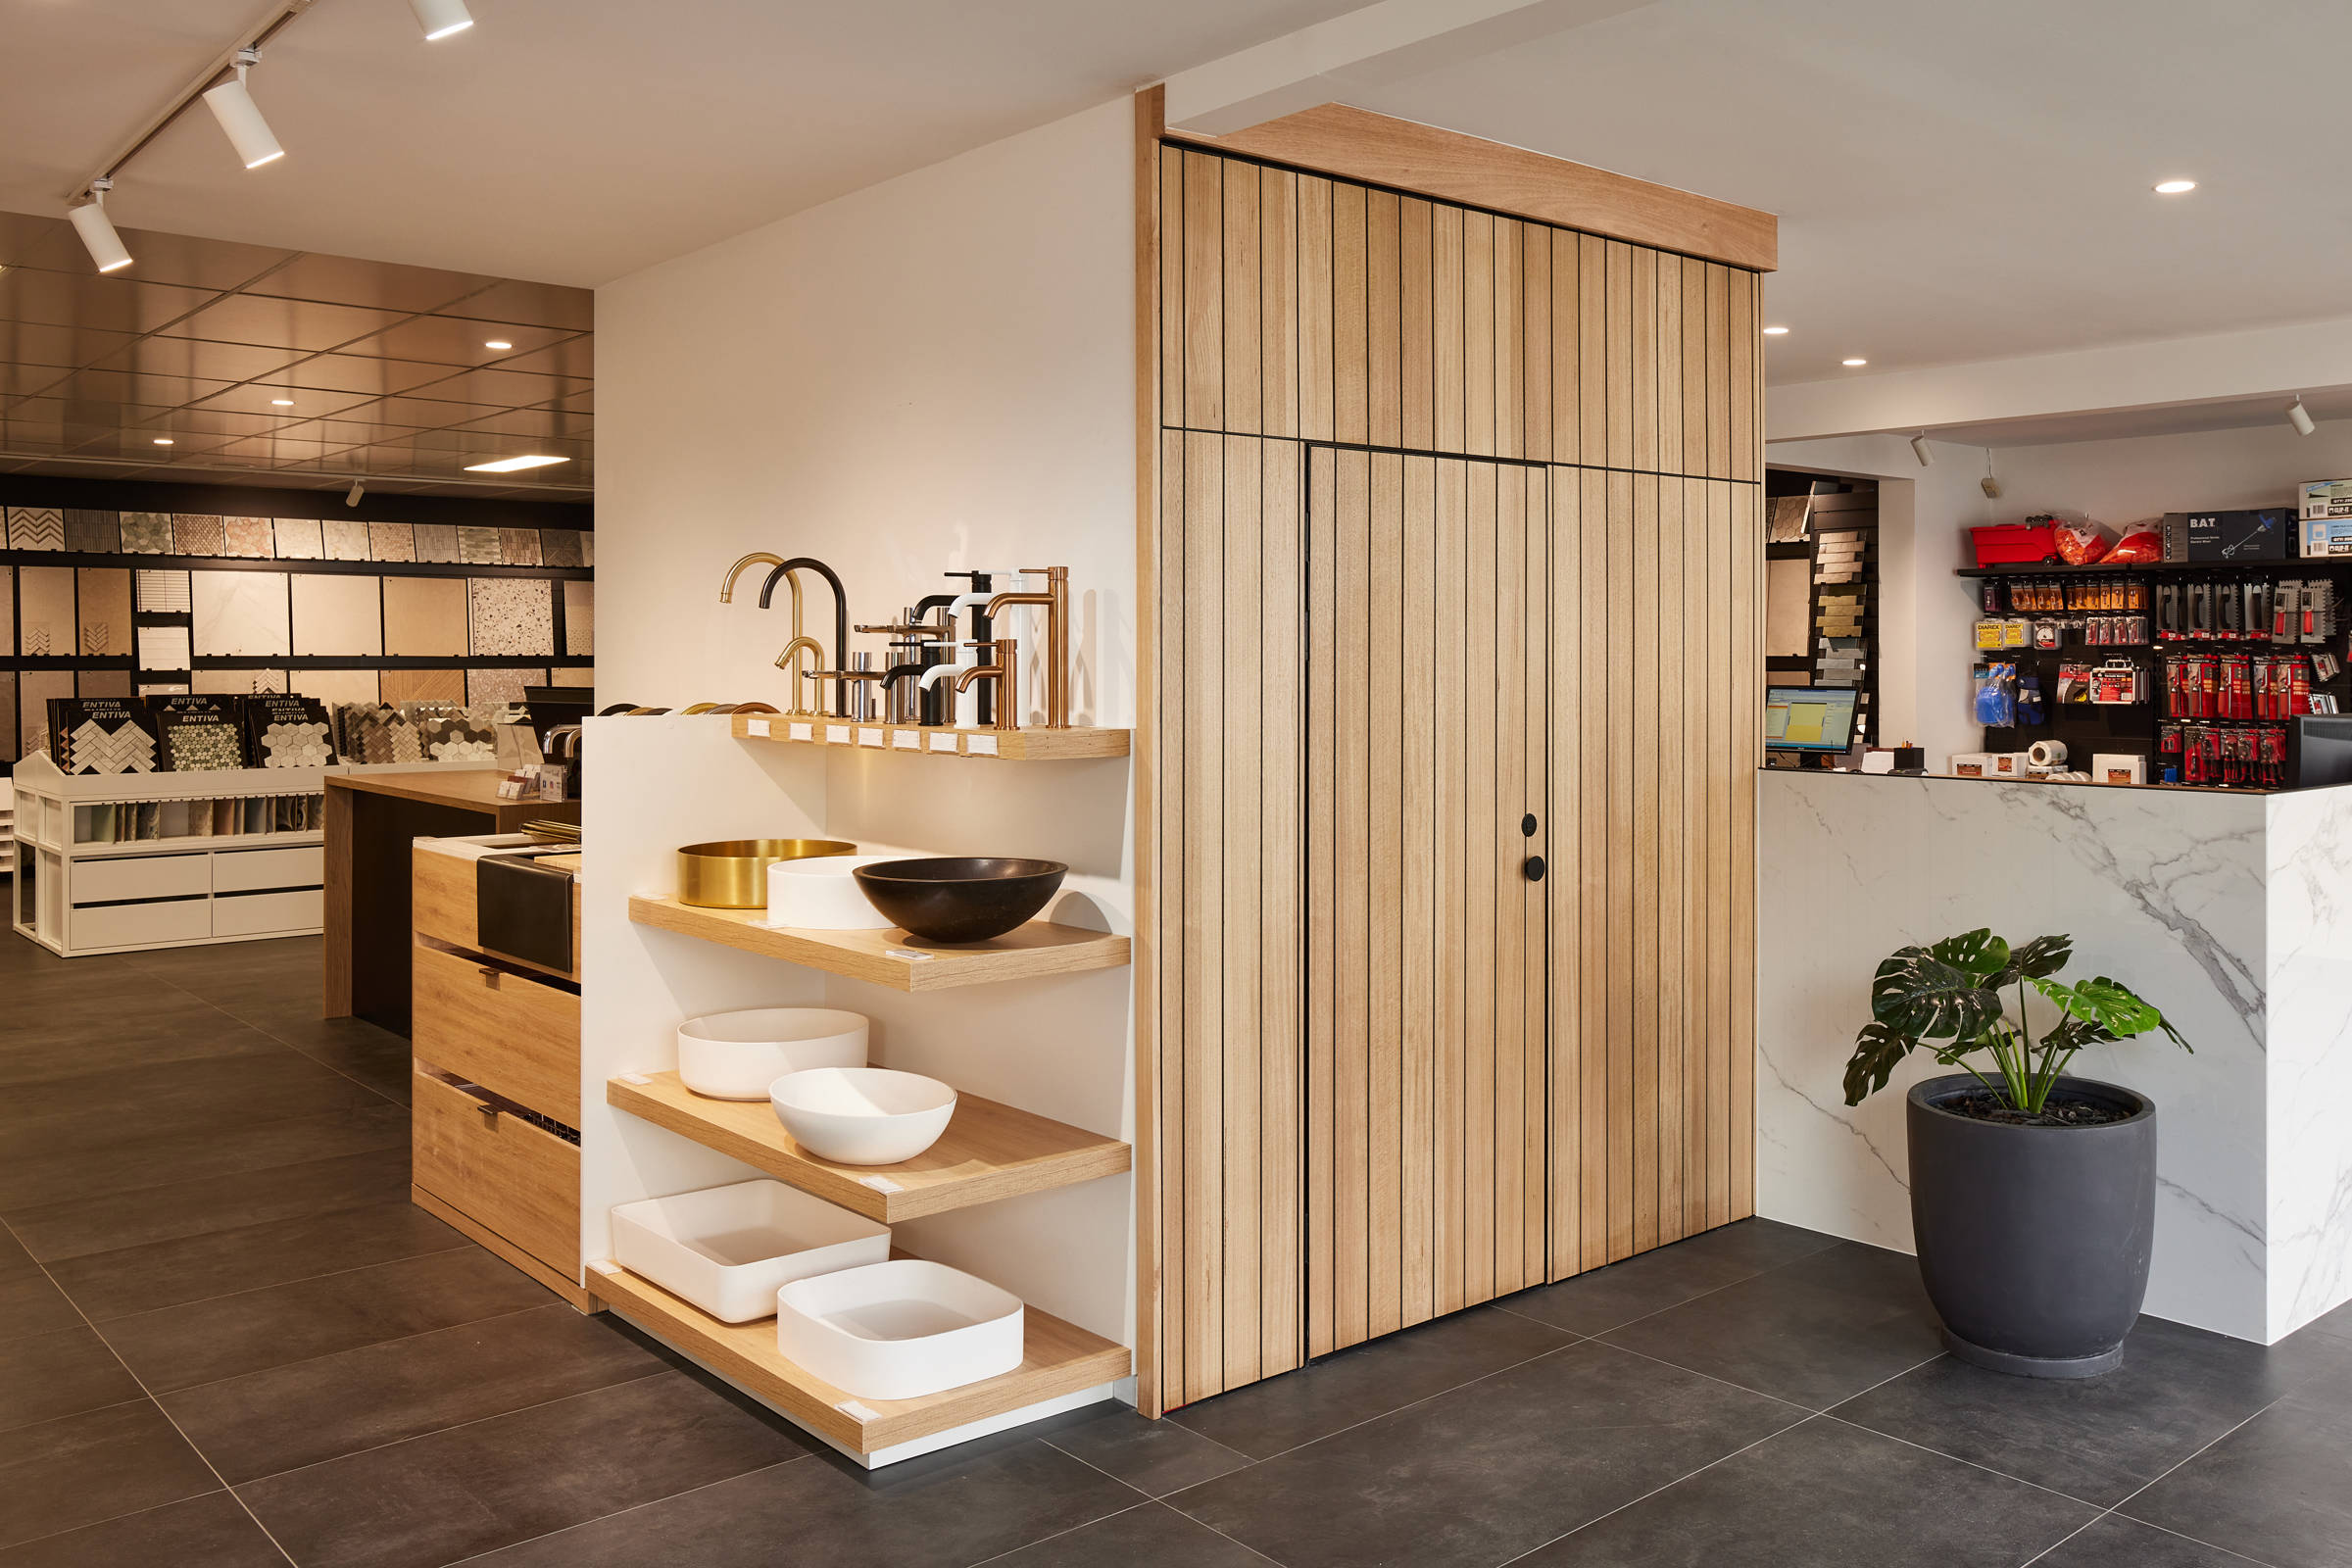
2046	754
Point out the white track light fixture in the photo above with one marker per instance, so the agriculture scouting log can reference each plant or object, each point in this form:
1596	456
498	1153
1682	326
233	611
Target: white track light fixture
2300	418
1919	450
358	489
233	106
441	17
97	230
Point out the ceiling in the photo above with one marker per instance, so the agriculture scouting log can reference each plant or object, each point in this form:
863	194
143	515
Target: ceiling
386	370
2327	406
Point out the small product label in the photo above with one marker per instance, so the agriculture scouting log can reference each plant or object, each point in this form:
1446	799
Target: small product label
756	728
799	732
880	1184
870	737
604	1265
907	740
635	1078
908	953
855	1411
943	743
979	746
837	734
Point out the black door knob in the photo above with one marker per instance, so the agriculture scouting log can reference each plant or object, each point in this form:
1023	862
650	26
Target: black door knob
1534	868
1527	826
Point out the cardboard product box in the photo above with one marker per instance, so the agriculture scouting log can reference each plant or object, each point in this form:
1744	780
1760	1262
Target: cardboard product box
2326	536
2006	764
1970	765
2119	767
2259	534
2326	498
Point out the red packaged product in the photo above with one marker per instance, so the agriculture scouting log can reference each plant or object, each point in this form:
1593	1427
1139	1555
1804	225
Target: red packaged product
2142	544
2012	542
2081	544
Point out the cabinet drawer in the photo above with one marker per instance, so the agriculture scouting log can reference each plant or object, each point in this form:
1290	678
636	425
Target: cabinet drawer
142	876
499	1170
246	914
128	925
442	904
514	1034
248	869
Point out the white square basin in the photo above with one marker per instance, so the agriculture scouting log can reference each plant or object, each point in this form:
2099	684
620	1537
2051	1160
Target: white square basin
736	1056
899	1330
727	1250
819	893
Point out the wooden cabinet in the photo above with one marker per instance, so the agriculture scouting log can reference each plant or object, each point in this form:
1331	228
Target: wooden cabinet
499	1027
509	1178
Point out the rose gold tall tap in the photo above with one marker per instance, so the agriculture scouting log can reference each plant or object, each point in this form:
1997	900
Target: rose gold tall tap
1055	601
1006	671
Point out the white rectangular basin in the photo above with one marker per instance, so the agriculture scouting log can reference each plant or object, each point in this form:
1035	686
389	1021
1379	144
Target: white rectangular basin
899	1330
727	1250
819	893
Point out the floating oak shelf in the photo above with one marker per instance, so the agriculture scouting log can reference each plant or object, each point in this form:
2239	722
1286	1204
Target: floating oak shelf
1060	1359
988	1151
1004	746
892	957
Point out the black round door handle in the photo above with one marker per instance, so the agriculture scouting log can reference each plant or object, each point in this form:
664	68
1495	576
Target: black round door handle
1534	868
1527	826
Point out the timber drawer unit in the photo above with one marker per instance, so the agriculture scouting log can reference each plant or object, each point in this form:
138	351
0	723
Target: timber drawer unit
497	1040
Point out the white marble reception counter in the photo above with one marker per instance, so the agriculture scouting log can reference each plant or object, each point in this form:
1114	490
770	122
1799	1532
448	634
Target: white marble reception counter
2231	911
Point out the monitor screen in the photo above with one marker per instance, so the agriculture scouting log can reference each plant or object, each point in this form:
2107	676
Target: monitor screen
1809	718
2323	750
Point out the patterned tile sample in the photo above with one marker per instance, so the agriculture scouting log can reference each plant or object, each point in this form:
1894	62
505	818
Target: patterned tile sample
195	533
423	685
251	537
164	689
296	745
436	541
8	621
391	541
201	743
425	618
36	688
587	549
164	648
36	528
346	539
105	612
512	615
338	615
119	747
572	677
102	683
147	533
332	686
298	539
579	618
45	626
519	546
479	547
10	736
95	533
240	615
163	593
237	682
457	739
483	686
560	547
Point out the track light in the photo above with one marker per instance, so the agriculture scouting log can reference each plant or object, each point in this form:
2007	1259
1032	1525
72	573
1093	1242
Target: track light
441	17
233	107
1919	450
97	230
2299	417
358	489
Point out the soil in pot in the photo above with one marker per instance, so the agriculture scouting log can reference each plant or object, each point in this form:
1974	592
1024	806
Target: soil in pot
2058	1110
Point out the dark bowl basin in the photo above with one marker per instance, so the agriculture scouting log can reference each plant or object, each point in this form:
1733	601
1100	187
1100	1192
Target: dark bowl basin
960	899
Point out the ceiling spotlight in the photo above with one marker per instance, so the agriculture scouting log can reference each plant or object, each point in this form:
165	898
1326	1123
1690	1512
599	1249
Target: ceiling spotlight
358	489
1851	364
498	343
233	106
2175	187
162	440
97	230
1776	331
2298	417
281	403
1921	450
441	17
512	465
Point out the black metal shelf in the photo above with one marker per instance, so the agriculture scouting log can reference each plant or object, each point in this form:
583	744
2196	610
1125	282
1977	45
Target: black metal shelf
2284	563
128	560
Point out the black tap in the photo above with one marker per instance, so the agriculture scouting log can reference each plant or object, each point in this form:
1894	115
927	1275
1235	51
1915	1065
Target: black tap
982	631
841	619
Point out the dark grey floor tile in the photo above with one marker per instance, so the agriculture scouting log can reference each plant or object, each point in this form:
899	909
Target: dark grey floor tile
62	1475
252	1257
963	1508
1152	1456
212	1531
1608	1297
29	1300
184	1157
474	1488
143	1216
1828	1495
1478	1475
353	1046
230	1336
71	1116
1369	1380
46	1376
2116	1542
1815	1331
320	1410
2337	1324
286	971
51	1042
1153	1536
2278	1490
2097	1438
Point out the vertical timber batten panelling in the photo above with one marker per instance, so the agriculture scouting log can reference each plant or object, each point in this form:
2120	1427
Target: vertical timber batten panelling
1456	525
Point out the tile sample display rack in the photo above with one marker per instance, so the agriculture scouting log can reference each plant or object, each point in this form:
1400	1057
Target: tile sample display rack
8	832
1005	746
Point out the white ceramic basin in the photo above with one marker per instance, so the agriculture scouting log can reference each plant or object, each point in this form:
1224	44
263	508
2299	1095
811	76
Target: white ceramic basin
863	1116
727	1250
736	1056
820	894
899	1330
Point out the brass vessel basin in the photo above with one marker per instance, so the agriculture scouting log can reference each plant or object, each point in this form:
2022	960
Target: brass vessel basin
732	874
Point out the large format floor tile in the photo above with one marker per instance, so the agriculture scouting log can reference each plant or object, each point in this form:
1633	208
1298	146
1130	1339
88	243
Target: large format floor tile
143	1216
2278	1490
2115	1541
212	1531
1612	1297
29	1300
184	1157
1147	1537
46	1376
1152	1456
60	1475
1484	1473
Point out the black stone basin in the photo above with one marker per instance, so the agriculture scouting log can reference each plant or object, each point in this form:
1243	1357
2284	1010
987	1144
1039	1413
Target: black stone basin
960	897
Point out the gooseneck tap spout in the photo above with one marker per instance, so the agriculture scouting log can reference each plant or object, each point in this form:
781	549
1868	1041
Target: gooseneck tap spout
758	558
841	616
789	661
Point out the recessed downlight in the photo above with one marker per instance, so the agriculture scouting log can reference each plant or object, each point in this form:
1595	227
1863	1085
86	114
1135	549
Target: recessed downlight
2175	187
1776	331
512	465
498	343
162	440
1853	363
281	403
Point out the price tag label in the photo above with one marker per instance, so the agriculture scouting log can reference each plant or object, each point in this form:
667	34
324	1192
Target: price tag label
757	729
837	734
799	732
908	953
635	1078
943	743
907	740
979	746
870	737
604	1265
880	1184
855	1411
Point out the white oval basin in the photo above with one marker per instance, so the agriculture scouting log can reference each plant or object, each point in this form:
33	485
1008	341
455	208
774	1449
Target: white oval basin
736	1056
863	1116
899	1330
820	894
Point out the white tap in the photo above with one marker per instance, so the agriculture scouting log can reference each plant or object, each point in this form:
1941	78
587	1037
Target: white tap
963	656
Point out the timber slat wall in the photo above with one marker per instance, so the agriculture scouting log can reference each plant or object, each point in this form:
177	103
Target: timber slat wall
1458	520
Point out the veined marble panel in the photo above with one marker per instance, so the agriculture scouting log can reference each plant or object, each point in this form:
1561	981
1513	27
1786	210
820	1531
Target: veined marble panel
240	613
2309	1025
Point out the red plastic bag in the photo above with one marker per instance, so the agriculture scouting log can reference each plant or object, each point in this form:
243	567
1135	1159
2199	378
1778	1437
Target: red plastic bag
2141	544
2082	544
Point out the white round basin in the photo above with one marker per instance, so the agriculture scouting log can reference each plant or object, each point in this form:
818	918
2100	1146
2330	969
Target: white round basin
820	894
863	1116
736	1056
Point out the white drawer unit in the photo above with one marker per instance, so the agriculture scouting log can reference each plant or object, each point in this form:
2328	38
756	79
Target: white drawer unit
259	914
252	870
144	877
107	927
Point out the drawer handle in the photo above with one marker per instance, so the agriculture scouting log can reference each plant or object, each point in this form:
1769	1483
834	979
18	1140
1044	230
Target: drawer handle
489	977
488	1110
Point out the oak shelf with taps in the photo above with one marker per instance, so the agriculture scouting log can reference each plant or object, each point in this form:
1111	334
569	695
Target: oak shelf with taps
1033	745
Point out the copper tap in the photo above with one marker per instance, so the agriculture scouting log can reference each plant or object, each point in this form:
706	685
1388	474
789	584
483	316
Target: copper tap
1055	601
1005	672
789	660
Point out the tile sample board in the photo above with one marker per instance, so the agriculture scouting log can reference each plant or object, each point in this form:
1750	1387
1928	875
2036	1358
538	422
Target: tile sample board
1787	600
339	685
240	615
512	615
164	648
236	682
196	533
10	738
45	622
252	537
423	685
36	528
35	689
579	618
102	683
147	533
163	593
479	547
391	541
426	617
300	539
500	685
519	547
93	533
560	546
573	676
105	612
338	615
346	539
436	541
8	617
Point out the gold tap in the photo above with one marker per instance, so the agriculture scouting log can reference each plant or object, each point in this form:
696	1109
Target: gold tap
1055	601
789	658
1007	673
758	558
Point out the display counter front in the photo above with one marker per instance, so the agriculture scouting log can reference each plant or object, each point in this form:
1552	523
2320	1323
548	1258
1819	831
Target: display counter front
2230	910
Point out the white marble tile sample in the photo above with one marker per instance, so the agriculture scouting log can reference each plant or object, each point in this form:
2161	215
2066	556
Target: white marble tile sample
300	539
346	539
240	615
337	615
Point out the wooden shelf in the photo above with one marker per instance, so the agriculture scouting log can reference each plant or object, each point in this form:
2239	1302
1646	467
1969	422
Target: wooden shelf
1060	1359
1004	746
988	1151
887	957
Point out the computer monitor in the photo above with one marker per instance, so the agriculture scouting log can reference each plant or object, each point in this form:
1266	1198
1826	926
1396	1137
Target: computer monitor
1809	718
2323	750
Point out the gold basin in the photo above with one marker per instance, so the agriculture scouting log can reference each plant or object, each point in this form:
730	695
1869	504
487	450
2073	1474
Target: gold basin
732	874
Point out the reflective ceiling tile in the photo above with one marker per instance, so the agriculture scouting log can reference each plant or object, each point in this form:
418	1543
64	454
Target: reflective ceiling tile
346	539
298	539
198	534
105	612
93	532
250	537
36	528
436	541
240	615
519	546
512	615
391	541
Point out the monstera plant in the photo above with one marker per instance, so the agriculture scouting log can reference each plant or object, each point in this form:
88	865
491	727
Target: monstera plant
1952	999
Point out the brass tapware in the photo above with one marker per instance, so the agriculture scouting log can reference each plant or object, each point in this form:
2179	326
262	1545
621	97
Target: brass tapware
789	661
732	874
758	558
754	708
698	707
1005	672
1055	601
558	832
840	620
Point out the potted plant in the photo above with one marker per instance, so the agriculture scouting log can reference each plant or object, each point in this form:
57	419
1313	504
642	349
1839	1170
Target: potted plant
2032	1194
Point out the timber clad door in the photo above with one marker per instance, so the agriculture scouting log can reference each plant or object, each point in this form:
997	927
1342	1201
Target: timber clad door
1453	567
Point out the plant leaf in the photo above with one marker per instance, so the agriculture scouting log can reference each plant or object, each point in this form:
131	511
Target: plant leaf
1977	953
1919	994
2037	960
2109	1004
1878	1050
2071	1034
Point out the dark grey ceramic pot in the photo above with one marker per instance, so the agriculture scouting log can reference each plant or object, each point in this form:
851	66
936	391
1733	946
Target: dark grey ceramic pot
2033	1242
